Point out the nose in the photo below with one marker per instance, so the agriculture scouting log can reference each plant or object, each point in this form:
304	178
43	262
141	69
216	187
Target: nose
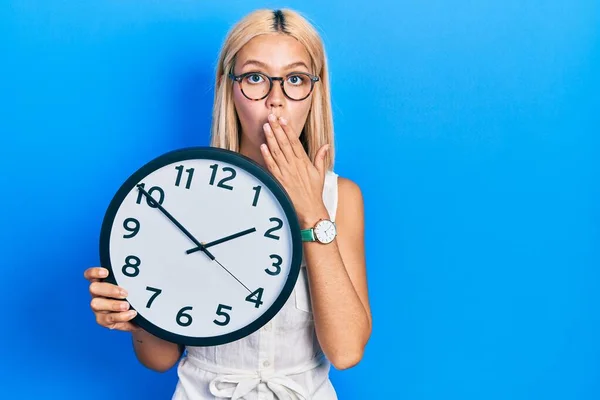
276	98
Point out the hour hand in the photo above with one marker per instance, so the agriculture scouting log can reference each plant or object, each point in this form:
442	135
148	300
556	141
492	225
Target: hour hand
222	240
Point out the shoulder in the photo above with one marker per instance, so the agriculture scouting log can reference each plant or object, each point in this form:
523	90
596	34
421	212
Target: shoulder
350	199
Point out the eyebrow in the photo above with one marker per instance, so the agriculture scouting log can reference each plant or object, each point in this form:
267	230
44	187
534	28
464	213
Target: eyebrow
263	65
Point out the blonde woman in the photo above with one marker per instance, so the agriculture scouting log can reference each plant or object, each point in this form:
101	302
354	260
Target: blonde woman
272	104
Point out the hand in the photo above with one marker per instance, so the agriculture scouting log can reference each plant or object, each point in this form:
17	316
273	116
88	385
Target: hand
222	240
109	310
287	160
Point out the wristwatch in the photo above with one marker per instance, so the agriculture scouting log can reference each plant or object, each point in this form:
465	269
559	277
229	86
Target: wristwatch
323	232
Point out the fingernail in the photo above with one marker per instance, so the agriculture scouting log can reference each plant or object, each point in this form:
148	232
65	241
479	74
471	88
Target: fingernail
103	273
124	306
283	120
267	127
132	313
272	117
123	293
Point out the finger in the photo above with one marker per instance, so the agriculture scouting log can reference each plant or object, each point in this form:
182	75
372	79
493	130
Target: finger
294	141
112	320
269	161
282	139
95	273
105	289
100	304
320	159
274	149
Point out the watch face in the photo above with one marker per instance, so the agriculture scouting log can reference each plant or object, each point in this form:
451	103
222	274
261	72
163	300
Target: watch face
206	243
325	231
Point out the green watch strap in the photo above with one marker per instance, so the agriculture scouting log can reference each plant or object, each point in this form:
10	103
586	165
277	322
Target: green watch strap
307	235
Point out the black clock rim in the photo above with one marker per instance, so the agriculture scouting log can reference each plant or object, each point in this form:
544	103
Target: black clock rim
241	161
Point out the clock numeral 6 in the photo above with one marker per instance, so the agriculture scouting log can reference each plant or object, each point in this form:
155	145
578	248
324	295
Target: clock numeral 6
222	313
156	293
258	293
151	203
190	172
131	262
276	264
275	228
181	314
133	230
221	183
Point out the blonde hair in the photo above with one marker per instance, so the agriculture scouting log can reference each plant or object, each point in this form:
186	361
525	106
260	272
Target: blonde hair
318	129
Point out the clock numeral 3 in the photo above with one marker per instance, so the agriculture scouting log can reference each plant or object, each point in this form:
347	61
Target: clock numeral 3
276	264
133	230
156	293
258	293
190	172
131	265
151	203
221	183
222	313
181	314
275	228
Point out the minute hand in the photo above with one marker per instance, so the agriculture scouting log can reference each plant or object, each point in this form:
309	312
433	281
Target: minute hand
222	240
153	202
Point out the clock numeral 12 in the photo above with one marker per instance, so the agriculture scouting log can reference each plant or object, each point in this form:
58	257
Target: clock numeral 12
151	203
221	183
190	172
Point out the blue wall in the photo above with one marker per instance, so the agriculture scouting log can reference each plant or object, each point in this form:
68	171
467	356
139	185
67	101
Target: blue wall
472	128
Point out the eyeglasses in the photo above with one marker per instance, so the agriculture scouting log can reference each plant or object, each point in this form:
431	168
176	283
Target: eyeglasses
256	85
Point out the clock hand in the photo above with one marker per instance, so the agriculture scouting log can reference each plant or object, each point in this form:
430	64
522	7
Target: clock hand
200	245
222	240
162	209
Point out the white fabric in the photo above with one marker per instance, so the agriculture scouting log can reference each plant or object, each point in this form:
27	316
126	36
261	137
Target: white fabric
281	361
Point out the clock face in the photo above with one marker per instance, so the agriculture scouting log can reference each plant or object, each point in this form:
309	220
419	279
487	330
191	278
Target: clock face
206	243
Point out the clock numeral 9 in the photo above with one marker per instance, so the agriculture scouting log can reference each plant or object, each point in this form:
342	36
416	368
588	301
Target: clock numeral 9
133	230
151	203
129	265
181	314
275	228
222	313
156	293
258	293
276	264
190	172
221	183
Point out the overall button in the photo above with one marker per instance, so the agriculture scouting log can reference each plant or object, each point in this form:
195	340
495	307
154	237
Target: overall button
266	364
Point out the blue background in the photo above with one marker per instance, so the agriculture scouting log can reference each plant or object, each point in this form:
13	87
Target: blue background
471	127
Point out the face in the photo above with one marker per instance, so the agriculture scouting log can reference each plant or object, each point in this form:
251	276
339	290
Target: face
274	55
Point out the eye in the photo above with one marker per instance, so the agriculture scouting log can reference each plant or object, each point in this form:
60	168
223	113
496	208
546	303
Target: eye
254	78
296	79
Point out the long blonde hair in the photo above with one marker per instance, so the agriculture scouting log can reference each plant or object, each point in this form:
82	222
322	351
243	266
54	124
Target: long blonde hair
318	129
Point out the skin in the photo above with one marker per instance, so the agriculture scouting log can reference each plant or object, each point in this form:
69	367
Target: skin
337	271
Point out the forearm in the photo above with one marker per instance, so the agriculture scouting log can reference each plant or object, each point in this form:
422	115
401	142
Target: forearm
155	353
341	321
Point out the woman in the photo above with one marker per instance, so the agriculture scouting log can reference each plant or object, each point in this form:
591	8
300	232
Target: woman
272	105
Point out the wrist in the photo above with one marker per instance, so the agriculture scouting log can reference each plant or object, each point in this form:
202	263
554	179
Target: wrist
309	220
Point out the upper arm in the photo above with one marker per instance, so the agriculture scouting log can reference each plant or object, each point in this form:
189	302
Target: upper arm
350	238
